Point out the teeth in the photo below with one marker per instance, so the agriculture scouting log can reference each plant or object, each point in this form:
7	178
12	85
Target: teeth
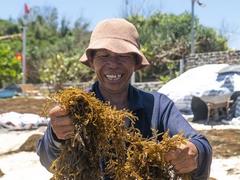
113	77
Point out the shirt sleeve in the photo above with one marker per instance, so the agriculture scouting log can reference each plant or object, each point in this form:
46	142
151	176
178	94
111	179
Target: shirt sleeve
48	148
171	119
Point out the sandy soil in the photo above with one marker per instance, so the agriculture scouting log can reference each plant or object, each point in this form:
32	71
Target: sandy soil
23	166
23	105
26	165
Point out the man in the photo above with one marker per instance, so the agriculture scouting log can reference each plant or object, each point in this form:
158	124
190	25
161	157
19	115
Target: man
113	53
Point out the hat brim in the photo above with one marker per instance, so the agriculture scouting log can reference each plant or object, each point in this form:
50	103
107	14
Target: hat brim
116	46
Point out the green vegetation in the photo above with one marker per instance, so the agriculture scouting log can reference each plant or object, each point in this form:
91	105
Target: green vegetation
59	69
165	38
10	67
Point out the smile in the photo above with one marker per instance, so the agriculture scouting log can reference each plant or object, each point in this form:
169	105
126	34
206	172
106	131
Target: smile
113	77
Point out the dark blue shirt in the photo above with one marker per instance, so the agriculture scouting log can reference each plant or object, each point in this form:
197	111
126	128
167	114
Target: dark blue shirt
139	103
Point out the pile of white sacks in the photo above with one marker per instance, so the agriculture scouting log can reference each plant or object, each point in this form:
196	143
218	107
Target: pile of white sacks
206	80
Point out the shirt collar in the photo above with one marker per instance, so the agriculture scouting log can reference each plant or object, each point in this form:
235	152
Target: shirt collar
134	98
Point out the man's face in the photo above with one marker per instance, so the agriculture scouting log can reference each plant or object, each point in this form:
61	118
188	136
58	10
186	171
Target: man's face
113	70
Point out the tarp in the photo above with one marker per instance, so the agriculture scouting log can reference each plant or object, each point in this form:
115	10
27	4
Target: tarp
21	121
4	93
10	91
200	81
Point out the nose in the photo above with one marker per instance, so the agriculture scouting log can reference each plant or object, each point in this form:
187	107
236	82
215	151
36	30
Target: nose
113	62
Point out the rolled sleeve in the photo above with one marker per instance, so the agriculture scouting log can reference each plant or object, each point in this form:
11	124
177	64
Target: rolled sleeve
172	120
48	148
204	158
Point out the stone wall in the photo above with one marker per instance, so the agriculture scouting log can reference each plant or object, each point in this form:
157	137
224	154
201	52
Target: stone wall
226	57
146	86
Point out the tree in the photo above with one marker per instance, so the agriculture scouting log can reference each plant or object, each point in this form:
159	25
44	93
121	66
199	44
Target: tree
46	38
165	38
209	40
60	69
8	27
10	67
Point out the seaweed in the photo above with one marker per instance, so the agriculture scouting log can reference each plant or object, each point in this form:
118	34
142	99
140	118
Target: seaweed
101	138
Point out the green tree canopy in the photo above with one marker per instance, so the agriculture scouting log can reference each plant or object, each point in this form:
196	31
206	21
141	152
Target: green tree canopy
46	37
8	27
59	70
10	67
165	38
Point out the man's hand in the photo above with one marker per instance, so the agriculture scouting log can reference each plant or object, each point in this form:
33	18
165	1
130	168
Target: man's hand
61	124
184	159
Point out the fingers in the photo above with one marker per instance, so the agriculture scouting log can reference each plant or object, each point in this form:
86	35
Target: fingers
61	121
63	132
172	155
185	163
184	159
57	111
61	124
65	136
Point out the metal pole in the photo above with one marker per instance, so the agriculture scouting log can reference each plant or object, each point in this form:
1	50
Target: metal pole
133	78
24	54
133	74
192	29
181	68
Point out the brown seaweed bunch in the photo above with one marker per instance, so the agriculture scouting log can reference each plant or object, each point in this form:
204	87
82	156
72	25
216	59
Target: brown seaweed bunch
101	137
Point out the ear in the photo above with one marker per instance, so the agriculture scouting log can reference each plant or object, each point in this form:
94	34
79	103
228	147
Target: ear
137	63
91	56
137	66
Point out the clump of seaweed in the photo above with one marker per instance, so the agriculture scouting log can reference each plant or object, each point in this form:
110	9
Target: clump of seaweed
102	139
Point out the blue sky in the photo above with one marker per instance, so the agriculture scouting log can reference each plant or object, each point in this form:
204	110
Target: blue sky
222	15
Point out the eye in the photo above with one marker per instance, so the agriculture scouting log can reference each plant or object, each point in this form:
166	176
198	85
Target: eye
125	56
102	55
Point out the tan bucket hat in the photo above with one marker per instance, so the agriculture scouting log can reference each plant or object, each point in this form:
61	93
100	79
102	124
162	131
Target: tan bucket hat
116	35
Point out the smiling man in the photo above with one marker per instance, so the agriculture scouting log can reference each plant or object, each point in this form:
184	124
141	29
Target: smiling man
114	54
114	72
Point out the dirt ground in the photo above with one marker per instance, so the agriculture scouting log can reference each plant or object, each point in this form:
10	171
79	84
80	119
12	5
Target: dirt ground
23	105
225	142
